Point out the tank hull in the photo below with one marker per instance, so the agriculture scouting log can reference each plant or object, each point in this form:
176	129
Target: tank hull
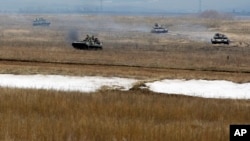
86	46
162	30
220	41
41	24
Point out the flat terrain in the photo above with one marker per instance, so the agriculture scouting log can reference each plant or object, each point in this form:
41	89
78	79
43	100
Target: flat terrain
130	50
127	42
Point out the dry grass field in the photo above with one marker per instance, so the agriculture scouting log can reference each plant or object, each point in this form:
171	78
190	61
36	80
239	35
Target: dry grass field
116	115
130	50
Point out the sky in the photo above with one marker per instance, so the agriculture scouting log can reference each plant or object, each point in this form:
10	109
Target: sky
128	5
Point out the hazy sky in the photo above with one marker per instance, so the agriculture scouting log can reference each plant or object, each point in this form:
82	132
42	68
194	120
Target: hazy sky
130	5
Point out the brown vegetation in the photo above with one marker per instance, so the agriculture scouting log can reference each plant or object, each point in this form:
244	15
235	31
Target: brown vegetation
115	115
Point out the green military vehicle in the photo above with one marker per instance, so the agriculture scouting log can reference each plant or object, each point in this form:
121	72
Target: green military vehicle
40	22
89	43
220	39
159	29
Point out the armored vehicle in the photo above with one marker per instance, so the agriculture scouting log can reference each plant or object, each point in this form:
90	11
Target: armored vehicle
40	22
89	43
159	29
220	39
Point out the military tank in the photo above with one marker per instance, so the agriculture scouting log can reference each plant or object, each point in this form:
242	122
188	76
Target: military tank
159	29
40	22
89	43
219	38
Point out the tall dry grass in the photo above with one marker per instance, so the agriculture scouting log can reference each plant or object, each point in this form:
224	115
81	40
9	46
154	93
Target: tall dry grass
116	115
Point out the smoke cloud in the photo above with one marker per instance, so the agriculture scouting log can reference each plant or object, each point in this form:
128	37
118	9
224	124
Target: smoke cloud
73	35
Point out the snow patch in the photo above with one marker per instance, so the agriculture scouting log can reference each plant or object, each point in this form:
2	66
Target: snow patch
65	83
199	88
202	88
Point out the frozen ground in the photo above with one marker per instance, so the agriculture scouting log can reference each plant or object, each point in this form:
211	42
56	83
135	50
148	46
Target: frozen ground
200	88
65	83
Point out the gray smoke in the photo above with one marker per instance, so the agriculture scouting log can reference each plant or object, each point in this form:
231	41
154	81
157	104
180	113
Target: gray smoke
73	35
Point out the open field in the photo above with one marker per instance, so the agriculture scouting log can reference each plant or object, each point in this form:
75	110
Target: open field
127	42
116	115
129	51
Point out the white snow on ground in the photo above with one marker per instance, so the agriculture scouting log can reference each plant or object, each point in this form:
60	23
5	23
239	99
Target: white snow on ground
65	83
202	88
